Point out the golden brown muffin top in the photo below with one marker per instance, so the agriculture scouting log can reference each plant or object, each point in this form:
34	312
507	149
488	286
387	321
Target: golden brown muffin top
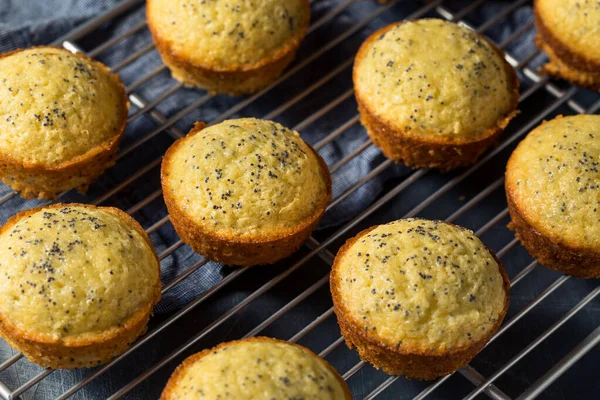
553	177
229	34
56	105
258	368
422	284
74	270
434	79
246	177
575	23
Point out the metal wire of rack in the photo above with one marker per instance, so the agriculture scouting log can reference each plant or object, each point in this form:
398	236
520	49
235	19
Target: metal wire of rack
557	98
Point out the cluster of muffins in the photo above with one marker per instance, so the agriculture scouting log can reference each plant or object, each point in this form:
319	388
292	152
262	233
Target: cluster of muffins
81	281
414	297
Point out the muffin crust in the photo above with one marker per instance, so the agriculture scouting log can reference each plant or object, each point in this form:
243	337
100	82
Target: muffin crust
433	94
61	120
244	192
79	284
418	298
258	367
228	46
552	189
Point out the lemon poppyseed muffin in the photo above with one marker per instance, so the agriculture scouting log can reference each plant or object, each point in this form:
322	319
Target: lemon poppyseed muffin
244	191
432	93
418	298
78	284
228	46
256	368
552	188
569	32
62	116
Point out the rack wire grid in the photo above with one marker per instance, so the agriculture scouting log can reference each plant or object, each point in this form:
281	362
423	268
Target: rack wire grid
553	321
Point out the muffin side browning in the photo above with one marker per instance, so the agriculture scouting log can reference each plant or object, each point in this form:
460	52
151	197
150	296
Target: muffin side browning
421	153
418	298
79	284
433	94
61	121
244	192
257	367
552	191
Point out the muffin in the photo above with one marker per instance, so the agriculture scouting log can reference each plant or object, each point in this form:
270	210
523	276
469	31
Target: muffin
433	94
418	298
227	46
256	368
62	116
552	188
569	32
78	284
245	191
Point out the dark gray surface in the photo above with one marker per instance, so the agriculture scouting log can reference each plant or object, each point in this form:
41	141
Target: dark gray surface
579	382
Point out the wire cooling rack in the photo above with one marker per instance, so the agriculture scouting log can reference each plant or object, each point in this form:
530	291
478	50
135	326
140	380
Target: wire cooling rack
553	321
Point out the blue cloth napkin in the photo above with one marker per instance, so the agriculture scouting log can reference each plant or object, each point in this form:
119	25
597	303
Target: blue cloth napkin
25	23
